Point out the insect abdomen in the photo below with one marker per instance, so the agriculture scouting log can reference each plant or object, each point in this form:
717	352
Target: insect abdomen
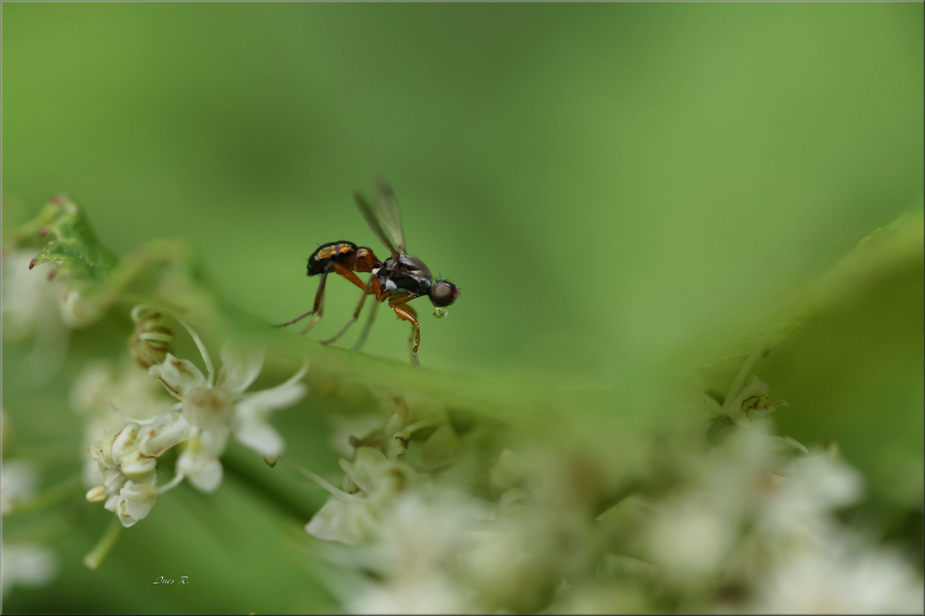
342	252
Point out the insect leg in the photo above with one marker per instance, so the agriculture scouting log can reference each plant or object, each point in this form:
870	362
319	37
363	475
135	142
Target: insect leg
349	275
371	287
319	302
358	345
407	313
319	297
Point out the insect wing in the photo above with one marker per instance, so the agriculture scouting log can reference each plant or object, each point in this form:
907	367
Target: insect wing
387	211
373	221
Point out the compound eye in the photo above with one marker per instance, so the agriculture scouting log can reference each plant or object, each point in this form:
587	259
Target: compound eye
443	294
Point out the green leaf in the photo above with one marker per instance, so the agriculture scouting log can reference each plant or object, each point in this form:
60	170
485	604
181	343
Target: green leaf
847	355
875	258
69	241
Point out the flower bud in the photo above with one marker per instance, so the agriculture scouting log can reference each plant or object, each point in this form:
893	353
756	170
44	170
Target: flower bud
754	397
77	312
153	336
97	494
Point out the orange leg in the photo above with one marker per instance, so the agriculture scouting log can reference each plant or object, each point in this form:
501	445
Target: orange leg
407	313
349	275
370	288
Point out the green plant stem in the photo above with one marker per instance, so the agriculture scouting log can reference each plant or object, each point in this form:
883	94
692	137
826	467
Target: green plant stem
741	376
104	546
50	497
321	482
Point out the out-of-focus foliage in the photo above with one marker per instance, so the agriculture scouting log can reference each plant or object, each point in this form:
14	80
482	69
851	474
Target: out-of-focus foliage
625	193
72	245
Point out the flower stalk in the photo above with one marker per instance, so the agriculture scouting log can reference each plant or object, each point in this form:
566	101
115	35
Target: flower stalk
104	546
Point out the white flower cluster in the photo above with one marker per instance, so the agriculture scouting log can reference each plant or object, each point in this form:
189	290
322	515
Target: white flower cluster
757	516
439	550
746	525
209	410
18	482
33	308
128	463
28	565
44	308
371	484
23	563
107	396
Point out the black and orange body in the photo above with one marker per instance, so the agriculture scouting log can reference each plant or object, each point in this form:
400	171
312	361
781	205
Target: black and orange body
346	254
342	252
399	279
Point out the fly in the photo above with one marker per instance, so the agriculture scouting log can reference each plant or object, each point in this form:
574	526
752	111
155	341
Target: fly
399	279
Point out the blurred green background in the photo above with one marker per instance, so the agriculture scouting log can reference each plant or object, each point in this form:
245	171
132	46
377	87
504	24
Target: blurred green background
600	180
606	182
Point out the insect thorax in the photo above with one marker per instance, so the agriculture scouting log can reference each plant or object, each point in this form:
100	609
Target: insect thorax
409	275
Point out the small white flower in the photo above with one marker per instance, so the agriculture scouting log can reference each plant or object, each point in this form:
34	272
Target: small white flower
31	310
432	593
135	498
739	486
417	551
353	516
799	506
109	395
19	480
349	429
391	436
693	533
26	565
128	464
216	408
841	578
103	385
349	521
440	551
77	312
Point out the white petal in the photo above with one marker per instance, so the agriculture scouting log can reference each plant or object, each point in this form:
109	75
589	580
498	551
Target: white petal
214	442
179	376
323	524
140	496
368	469
112	503
200	465
262	402
27	565
261	437
126	442
202	349
167	431
208	477
239	367
137	465
250	424
19	479
113	481
77	312
135	500
349	523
